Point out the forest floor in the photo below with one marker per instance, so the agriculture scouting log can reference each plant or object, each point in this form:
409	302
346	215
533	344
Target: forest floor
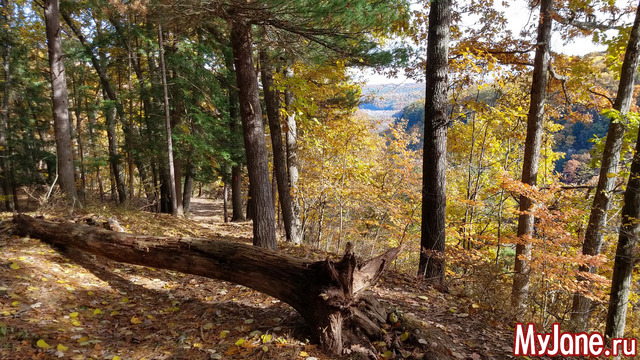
57	303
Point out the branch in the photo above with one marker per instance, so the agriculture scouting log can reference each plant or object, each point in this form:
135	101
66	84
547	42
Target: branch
601	94
563	80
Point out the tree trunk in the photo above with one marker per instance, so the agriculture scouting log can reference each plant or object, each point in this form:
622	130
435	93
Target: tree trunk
593	237
250	203
60	100
78	111
165	190
167	118
264	232
236	194
91	119
113	109
225	200
188	188
329	295
4	117
177	168
272	103
292	164
520	290
626	253
114	156
434	199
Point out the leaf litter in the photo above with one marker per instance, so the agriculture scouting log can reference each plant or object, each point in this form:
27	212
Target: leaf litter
62	303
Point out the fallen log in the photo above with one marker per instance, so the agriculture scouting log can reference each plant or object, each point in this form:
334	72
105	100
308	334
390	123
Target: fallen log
328	295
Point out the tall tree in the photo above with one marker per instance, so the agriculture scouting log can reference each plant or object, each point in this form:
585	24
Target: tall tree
60	99
5	18
111	109
609	168
626	253
264	232
272	104
531	160
167	119
627	250
432	243
292	158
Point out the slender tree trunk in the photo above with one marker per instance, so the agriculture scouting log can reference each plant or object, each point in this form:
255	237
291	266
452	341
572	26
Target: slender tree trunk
91	119
167	118
520	291
165	190
292	164
432	243
272	103
626	253
113	109
264	232
78	112
236	194
60	99
177	168
606	182
114	155
188	188
225	198
4	115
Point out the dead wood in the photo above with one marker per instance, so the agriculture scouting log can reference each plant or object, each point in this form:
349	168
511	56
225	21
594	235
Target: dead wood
328	295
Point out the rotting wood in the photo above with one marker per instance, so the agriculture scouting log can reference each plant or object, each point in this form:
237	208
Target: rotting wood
328	295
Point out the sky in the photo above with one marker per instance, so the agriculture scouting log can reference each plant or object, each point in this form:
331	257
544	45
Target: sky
519	16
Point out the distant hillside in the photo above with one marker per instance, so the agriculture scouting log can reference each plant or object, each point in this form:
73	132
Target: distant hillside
389	97
573	139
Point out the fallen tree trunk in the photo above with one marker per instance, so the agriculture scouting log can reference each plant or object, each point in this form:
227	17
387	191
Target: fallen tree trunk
329	295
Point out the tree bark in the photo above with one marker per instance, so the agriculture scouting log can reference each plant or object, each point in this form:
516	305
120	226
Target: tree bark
60	100
114	155
188	188
609	168
264	232
434	199
78	111
225	198
627	253
4	115
167	119
292	163
520	290
272	103
236	194
328	295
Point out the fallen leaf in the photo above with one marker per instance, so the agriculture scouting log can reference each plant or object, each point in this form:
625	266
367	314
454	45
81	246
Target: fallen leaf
136	320
14	266
43	344
61	347
404	336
